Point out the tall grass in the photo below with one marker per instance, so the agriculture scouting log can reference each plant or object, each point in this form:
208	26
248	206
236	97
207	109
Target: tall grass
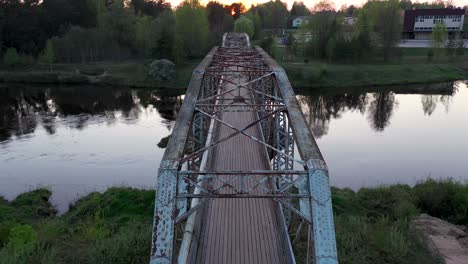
372	225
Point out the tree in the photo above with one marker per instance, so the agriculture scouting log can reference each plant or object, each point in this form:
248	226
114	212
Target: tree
299	9
149	8
119	23
235	9
274	14
406	4
11	57
245	25
163	36
192	29
257	21
219	21
385	20
47	55
142	34
324	5
439	37
323	25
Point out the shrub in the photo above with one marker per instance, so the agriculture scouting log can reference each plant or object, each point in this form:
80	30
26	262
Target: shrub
395	202
244	25
12	59
130	245
445	199
163	142
23	248
162	70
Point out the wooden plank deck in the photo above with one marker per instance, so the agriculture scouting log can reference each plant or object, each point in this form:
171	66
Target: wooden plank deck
238	231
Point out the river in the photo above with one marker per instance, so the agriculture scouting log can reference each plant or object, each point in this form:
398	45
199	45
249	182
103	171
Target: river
78	139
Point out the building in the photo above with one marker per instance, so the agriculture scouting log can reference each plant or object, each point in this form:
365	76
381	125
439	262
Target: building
297	22
349	20
419	23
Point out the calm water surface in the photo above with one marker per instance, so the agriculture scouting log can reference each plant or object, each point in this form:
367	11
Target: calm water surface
75	140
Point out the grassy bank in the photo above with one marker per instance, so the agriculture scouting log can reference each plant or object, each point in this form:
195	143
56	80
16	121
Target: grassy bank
372	225
317	74
129	73
411	67
408	66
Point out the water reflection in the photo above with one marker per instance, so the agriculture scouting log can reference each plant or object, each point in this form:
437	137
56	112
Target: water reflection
23	109
378	104
75	140
391	135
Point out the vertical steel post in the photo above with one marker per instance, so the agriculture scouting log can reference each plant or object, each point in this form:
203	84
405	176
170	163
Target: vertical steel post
323	232
164	214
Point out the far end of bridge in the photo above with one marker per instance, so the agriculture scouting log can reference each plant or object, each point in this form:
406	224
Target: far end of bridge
231	187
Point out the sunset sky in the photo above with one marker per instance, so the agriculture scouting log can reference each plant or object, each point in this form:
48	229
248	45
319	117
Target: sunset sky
309	3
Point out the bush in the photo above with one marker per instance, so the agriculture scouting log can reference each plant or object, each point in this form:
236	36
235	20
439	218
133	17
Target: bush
395	202
23	248
164	141
12	59
244	25
446	199
162	70
130	245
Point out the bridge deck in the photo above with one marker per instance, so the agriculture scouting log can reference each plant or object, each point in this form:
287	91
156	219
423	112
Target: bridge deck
240	231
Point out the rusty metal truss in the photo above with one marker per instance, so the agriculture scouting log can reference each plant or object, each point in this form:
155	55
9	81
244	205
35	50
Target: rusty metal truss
300	186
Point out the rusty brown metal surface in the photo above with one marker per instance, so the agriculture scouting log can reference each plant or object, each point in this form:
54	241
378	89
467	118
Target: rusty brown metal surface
239	231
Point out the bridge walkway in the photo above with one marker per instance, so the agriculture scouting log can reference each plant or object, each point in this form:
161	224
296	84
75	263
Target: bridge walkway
238	231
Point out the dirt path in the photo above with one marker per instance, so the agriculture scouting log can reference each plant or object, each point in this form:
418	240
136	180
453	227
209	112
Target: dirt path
448	241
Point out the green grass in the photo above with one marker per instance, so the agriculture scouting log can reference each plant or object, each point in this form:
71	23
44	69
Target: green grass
410	67
127	73
316	74
372	225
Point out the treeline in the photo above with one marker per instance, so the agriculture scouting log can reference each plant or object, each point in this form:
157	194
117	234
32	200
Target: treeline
79	31
96	30
82	31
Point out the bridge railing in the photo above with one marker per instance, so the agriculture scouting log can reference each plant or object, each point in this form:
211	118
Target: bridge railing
300	186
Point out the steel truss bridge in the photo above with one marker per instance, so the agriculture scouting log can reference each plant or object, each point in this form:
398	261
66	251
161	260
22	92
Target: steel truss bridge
242	179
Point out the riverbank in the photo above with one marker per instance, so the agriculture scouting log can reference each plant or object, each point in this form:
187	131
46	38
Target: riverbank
324	75
128	73
414	69
372	225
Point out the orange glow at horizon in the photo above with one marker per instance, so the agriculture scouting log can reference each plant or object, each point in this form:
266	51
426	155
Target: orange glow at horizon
308	3
233	12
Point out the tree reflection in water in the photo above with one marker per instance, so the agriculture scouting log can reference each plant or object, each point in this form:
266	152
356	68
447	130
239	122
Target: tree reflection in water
319	109
23	109
379	104
380	110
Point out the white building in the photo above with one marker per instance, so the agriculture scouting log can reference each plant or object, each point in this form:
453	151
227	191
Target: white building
297	22
419	23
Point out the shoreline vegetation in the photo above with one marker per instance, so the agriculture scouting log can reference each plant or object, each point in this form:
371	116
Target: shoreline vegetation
373	225
310	76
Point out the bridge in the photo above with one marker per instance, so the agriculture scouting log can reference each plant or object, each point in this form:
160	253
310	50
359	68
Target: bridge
242	179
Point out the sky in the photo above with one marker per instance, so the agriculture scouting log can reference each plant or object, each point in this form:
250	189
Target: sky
309	3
